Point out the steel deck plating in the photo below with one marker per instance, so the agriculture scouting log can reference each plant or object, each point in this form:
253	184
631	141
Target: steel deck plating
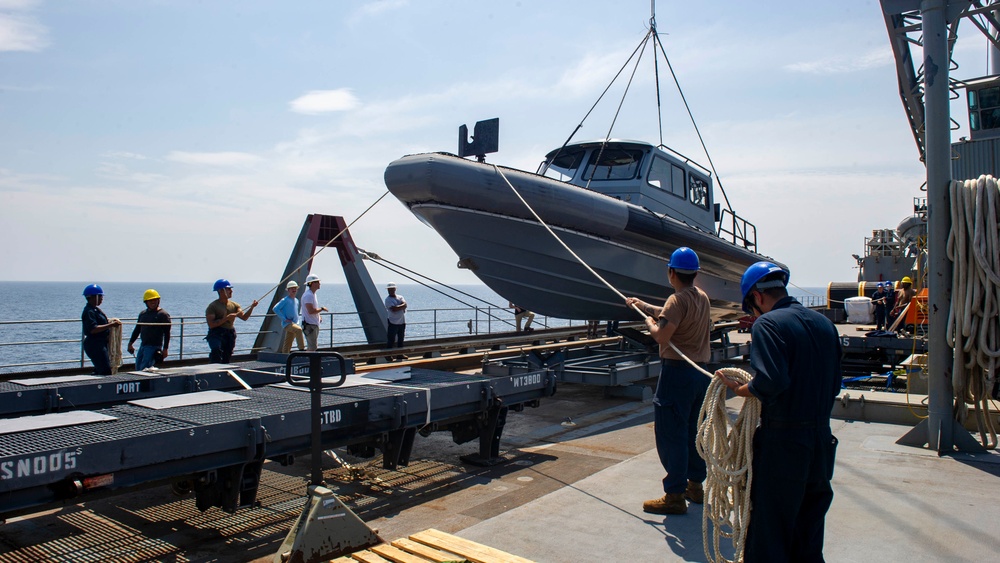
217	450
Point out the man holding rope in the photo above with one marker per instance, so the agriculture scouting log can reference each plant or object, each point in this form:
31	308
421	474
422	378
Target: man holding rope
97	329
221	315
796	359
684	321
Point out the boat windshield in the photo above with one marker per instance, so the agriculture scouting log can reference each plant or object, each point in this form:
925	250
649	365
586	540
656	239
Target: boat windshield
614	164
565	165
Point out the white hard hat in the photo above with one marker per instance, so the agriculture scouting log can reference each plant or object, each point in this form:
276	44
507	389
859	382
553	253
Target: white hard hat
391	286
291	284
312	278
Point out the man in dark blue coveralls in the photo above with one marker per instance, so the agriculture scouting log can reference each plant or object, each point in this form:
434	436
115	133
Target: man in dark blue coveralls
96	327
795	355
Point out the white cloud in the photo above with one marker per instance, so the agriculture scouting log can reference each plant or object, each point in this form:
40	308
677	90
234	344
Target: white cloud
876	58
324	101
124	154
213	158
20	31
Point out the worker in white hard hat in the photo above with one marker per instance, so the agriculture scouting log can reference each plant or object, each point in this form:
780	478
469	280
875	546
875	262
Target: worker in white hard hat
311	310
153	327
395	305
287	311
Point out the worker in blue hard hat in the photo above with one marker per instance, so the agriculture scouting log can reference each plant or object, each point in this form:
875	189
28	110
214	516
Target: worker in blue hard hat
96	330
878	299
221	315
795	356
684	321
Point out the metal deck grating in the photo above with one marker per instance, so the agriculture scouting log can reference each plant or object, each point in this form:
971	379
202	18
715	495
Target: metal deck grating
154	525
130	424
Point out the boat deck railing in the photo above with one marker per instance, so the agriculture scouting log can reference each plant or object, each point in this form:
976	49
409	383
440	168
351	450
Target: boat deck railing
737	230
62	345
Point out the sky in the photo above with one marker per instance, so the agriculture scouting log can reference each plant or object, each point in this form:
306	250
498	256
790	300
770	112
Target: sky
187	141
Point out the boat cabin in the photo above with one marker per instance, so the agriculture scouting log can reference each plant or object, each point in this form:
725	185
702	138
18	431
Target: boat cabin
660	180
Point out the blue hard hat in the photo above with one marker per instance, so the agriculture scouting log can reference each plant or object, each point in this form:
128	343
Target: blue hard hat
221	283
880	285
754	274
92	289
684	260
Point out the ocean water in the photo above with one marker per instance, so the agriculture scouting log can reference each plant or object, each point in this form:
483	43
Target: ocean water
437	311
433	312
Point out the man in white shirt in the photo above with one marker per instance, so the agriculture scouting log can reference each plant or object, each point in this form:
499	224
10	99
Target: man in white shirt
395	305
310	313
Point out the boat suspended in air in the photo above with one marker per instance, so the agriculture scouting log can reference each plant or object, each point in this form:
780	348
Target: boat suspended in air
621	206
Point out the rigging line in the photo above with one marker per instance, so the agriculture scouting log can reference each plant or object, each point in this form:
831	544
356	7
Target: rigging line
718	180
545	167
591	270
322	248
656	73
376	257
607	137
411	278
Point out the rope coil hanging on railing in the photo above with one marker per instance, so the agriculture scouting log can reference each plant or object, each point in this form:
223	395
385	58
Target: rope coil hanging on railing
973	322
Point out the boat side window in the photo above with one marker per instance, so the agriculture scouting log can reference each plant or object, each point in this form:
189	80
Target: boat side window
699	191
615	164
564	166
667	176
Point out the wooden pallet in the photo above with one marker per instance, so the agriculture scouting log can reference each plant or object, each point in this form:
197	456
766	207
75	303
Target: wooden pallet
431	546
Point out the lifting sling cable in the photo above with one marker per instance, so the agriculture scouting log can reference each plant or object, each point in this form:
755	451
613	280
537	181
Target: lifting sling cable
641	44
701	140
618	111
728	454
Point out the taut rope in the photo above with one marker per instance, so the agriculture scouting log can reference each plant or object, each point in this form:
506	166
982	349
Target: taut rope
728	454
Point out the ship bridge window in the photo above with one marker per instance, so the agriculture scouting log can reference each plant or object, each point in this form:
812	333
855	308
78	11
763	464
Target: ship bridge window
564	166
614	164
698	192
667	176
984	108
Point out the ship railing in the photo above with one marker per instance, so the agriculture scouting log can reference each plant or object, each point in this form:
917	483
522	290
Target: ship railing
737	230
64	346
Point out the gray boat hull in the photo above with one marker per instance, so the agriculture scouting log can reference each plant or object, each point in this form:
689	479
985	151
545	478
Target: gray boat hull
495	236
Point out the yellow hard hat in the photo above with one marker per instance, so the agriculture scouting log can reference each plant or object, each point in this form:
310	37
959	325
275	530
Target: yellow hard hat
906	279
150	294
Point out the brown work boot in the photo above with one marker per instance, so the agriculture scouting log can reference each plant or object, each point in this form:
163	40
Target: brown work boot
670	503
695	493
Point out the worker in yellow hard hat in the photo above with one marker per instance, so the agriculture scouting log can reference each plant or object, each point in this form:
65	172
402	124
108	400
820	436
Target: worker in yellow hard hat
153	326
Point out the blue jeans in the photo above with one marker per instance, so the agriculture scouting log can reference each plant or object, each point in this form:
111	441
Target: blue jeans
221	342
145	357
680	391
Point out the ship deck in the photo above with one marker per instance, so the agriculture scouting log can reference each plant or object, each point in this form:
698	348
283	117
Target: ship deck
577	470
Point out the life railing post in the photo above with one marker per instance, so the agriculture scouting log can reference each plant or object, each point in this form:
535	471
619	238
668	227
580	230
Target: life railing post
181	338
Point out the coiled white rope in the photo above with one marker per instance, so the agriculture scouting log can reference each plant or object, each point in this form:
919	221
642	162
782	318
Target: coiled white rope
973	323
728	454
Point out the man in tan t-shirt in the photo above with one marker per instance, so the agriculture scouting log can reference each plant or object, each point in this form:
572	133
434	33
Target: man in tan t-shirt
684	321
